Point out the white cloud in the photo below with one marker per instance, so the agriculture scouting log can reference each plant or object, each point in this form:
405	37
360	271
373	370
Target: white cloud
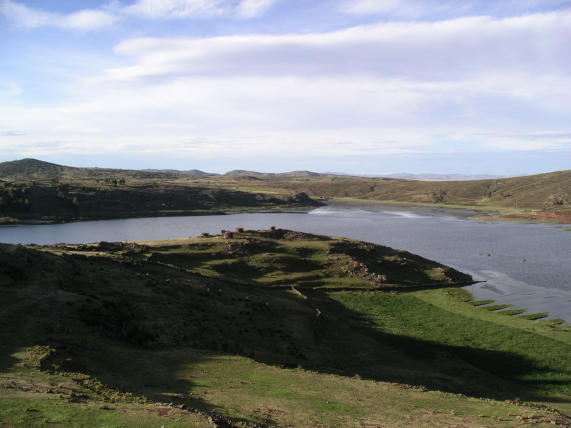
23	15
442	9
92	19
88	20
279	115
254	8
28	17
445	50
379	7
198	8
178	8
9	89
464	84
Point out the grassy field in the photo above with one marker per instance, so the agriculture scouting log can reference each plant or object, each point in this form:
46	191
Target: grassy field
264	328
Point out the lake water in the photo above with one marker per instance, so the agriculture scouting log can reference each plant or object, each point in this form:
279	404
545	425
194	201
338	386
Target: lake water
528	265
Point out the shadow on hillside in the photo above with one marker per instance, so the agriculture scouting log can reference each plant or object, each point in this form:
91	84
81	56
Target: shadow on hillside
338	341
131	328
358	348
64	317
116	372
7	361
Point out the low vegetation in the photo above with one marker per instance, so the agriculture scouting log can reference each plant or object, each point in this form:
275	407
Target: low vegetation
99	194
32	189
515	198
264	328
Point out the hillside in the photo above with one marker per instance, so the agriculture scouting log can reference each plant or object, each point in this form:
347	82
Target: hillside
111	198
263	328
33	169
516	196
36	190
547	192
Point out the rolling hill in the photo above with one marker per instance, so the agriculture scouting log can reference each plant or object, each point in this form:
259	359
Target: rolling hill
36	190
31	169
34	169
549	192
263	328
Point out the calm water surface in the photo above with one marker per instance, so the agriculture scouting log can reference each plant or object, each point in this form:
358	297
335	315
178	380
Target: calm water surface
528	265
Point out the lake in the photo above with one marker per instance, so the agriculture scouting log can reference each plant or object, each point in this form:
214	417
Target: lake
528	265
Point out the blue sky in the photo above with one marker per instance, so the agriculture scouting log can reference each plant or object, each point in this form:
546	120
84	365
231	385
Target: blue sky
356	86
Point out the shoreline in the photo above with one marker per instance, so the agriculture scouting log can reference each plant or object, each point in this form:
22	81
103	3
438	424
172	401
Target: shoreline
531	219
41	221
482	213
473	212
531	299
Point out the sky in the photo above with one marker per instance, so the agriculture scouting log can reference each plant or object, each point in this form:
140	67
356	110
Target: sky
351	86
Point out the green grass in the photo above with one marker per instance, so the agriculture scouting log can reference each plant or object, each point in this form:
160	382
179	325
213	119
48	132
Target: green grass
497	307
539	354
513	312
19	409
304	260
536	316
482	302
553	322
249	392
115	331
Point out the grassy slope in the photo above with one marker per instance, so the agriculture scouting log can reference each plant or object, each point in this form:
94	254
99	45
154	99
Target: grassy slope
542	350
511	195
214	325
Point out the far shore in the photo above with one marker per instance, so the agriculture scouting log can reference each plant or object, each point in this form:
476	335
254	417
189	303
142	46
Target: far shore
9	221
474	212
488	213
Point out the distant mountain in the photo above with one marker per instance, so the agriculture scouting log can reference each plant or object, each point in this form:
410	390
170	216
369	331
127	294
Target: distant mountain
244	173
198	172
300	174
442	177
177	171
33	169
399	176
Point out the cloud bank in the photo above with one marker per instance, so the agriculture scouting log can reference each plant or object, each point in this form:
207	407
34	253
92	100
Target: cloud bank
424	9
84	20
445	50
167	9
473	84
96	19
